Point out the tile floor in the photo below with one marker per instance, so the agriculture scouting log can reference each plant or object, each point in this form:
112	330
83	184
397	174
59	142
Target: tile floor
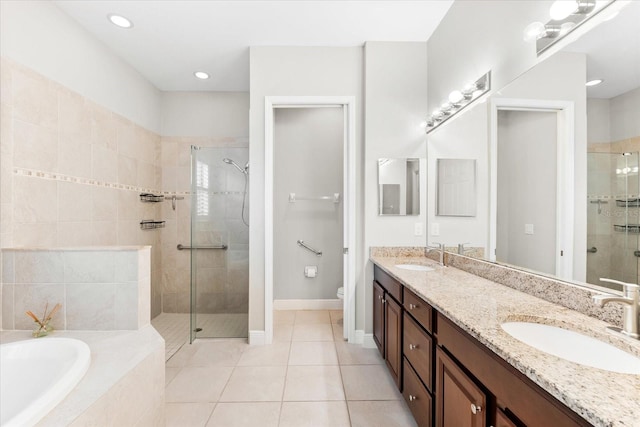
174	328
308	377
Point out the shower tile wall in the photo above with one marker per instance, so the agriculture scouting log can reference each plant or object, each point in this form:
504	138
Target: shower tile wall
72	170
222	276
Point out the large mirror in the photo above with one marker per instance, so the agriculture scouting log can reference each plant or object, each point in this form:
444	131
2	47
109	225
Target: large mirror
399	186
558	185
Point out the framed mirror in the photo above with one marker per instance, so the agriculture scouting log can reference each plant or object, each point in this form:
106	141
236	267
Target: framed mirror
398	186
456	195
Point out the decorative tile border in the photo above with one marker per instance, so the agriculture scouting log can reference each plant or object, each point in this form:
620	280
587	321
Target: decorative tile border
53	176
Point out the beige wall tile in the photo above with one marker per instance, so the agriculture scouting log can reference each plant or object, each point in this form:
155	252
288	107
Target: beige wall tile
35	146
103	127
74	202
104	164
90	306
74	158
35	298
35	234
35	99
74	118
127	170
75	233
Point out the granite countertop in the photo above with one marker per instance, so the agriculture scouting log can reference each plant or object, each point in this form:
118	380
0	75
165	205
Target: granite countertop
480	306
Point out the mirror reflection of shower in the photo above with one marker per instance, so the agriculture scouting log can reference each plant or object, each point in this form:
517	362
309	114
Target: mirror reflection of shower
245	171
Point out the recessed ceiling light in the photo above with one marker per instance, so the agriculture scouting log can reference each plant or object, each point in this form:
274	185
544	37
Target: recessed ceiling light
201	75
120	21
594	82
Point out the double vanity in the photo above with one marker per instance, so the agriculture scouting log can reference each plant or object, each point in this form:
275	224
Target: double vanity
467	351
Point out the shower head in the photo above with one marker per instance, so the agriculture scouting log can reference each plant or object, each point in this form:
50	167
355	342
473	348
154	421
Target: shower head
231	162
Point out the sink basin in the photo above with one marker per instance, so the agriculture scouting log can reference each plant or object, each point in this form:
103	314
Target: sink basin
574	347
414	267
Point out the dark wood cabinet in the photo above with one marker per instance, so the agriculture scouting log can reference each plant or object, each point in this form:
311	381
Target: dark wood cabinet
459	401
417	397
393	338
449	378
502	420
387	322
378	317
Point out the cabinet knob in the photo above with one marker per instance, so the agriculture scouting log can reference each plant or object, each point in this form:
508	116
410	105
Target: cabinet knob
475	409
412	398
384	301
413	346
412	306
379	296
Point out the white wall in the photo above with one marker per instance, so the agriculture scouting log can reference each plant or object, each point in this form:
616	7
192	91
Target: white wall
624	119
308	161
40	36
395	107
598	124
301	71
204	114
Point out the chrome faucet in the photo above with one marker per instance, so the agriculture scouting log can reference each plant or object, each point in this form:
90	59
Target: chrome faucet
631	309
462	249
440	248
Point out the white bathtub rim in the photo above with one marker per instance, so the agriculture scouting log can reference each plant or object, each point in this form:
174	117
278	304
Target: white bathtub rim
40	407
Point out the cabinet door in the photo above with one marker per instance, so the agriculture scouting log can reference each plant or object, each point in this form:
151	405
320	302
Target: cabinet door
459	402
393	338
378	317
502	420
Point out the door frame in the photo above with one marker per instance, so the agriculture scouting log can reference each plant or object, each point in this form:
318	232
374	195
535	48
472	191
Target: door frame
565	176
347	103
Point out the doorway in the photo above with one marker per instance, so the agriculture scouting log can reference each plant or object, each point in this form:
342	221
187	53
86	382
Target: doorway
345	199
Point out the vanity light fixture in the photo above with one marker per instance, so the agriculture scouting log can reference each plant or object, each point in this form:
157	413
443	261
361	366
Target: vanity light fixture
458	100
120	21
594	82
566	16
201	75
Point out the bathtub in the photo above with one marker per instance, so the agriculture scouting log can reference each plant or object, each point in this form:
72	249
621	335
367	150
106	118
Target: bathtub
36	375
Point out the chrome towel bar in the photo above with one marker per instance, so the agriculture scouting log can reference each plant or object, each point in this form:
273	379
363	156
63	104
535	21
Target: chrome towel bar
182	247
309	248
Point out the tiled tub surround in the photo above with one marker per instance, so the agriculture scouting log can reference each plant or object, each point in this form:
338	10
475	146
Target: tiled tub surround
124	385
99	288
72	170
479	306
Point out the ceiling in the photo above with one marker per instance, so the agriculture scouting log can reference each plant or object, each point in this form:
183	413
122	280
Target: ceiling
172	39
613	53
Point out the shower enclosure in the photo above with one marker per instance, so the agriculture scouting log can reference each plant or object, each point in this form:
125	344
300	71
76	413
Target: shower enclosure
613	217
219	242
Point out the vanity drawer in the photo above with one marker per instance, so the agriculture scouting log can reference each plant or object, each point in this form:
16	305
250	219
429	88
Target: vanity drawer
417	397
418	309
391	285
417	348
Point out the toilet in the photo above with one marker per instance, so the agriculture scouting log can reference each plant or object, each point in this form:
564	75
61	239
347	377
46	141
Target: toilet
340	293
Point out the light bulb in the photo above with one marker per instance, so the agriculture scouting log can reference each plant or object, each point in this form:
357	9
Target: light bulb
201	75
533	31
560	9
455	97
593	82
566	27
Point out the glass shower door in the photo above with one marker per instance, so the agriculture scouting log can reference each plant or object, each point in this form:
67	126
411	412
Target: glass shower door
219	242
613	218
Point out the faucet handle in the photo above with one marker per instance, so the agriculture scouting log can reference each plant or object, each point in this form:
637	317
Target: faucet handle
630	290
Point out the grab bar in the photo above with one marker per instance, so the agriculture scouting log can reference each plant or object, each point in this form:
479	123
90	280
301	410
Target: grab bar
310	249
182	247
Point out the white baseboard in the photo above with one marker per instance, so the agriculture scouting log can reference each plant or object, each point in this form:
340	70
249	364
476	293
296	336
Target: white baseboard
359	336
307	304
368	341
257	338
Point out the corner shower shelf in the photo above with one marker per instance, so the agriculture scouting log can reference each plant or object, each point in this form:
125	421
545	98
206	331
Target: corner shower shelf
150	224
628	203
628	228
151	198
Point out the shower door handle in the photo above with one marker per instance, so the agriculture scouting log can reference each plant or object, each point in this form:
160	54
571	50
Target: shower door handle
183	247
